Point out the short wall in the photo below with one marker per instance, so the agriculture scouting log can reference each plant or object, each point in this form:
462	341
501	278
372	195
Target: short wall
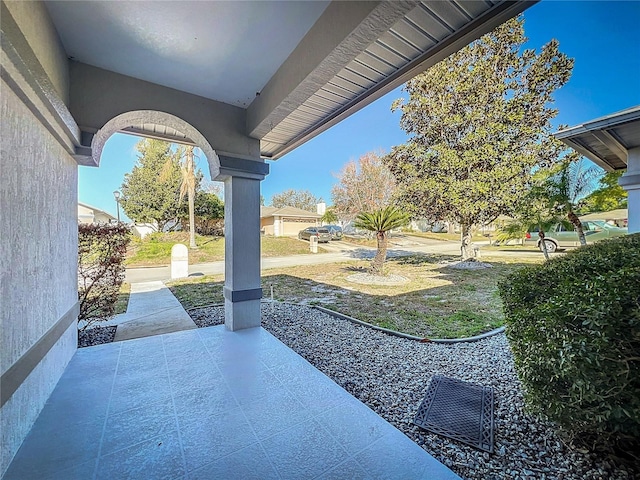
38	258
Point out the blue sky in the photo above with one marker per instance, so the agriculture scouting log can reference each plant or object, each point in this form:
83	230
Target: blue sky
602	37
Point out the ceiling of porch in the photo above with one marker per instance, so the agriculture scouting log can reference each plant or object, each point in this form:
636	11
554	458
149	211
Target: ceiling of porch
297	67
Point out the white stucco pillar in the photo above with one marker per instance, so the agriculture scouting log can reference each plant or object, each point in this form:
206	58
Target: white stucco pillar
630	181
242	291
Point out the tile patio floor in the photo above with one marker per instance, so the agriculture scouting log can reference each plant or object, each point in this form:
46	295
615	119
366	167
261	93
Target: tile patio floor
210	404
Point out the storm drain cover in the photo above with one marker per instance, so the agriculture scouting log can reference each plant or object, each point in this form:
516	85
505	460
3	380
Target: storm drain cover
458	410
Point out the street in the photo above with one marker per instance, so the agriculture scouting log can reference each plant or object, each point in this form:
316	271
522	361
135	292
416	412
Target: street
337	252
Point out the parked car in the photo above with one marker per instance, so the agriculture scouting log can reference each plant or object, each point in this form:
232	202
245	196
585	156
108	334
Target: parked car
561	235
321	232
335	231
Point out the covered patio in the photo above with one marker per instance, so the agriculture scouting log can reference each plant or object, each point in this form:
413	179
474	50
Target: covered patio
207	404
243	81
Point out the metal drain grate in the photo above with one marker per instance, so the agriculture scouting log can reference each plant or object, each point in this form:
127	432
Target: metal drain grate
459	410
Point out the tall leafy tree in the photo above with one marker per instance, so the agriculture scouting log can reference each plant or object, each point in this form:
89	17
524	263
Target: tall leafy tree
151	190
608	196
363	186
381	222
302	199
479	122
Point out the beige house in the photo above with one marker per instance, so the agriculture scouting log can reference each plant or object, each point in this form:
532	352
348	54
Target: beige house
89	214
286	221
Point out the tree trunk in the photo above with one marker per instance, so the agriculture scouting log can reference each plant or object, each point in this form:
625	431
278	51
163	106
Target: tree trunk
465	240
575	221
381	253
191	194
543	243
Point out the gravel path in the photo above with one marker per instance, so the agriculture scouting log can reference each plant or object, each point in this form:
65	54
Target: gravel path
391	374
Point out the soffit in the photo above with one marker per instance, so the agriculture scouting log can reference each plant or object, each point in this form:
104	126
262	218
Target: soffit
231	51
606	140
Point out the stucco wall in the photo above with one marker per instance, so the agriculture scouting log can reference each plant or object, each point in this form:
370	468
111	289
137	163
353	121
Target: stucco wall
35	23
38	255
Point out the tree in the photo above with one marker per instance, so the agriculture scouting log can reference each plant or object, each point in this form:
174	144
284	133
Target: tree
571	180
381	222
302	199
479	124
329	216
535	209
188	187
364	186
151	190
208	213
609	195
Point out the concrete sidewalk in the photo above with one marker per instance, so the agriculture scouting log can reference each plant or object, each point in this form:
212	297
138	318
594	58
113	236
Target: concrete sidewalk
339	253
152	310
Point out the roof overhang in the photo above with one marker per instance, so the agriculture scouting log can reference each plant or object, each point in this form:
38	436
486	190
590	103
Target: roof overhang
606	141
295	68
389	45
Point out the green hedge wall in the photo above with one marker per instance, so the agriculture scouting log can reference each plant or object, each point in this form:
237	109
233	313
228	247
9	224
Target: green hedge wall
573	324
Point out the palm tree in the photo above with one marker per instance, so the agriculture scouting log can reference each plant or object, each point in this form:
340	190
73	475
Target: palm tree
329	217
381	222
188	187
571	181
534	210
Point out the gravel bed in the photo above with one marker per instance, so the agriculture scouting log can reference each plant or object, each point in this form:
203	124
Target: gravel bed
96	336
391	374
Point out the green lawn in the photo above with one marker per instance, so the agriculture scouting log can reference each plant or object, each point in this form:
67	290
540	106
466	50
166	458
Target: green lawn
123	298
155	249
437	302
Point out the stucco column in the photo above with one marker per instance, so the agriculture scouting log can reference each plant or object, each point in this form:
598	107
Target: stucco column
242	292
630	181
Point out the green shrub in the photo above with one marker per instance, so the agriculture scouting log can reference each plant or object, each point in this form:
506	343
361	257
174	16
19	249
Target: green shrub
574	327
101	253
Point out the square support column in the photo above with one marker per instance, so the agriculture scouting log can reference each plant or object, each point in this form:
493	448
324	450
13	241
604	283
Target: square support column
242	291
630	181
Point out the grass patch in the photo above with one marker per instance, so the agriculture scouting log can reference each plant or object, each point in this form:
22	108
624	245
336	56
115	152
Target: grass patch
123	298
438	302
155	249
199	291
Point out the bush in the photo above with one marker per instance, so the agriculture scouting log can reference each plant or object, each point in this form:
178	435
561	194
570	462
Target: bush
574	327
101	253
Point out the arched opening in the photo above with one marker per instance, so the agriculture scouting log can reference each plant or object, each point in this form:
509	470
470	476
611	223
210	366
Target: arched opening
146	123
173	130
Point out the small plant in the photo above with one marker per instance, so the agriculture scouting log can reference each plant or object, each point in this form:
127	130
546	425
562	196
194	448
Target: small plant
101	253
574	327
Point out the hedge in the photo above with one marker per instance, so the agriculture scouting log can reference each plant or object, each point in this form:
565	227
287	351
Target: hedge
101	253
573	324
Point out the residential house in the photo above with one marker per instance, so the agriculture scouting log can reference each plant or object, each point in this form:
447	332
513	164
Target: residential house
89	214
286	221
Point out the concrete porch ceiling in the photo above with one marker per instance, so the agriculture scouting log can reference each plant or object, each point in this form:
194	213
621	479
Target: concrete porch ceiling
297	67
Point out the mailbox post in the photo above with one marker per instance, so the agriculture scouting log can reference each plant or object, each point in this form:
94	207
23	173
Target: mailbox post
313	244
